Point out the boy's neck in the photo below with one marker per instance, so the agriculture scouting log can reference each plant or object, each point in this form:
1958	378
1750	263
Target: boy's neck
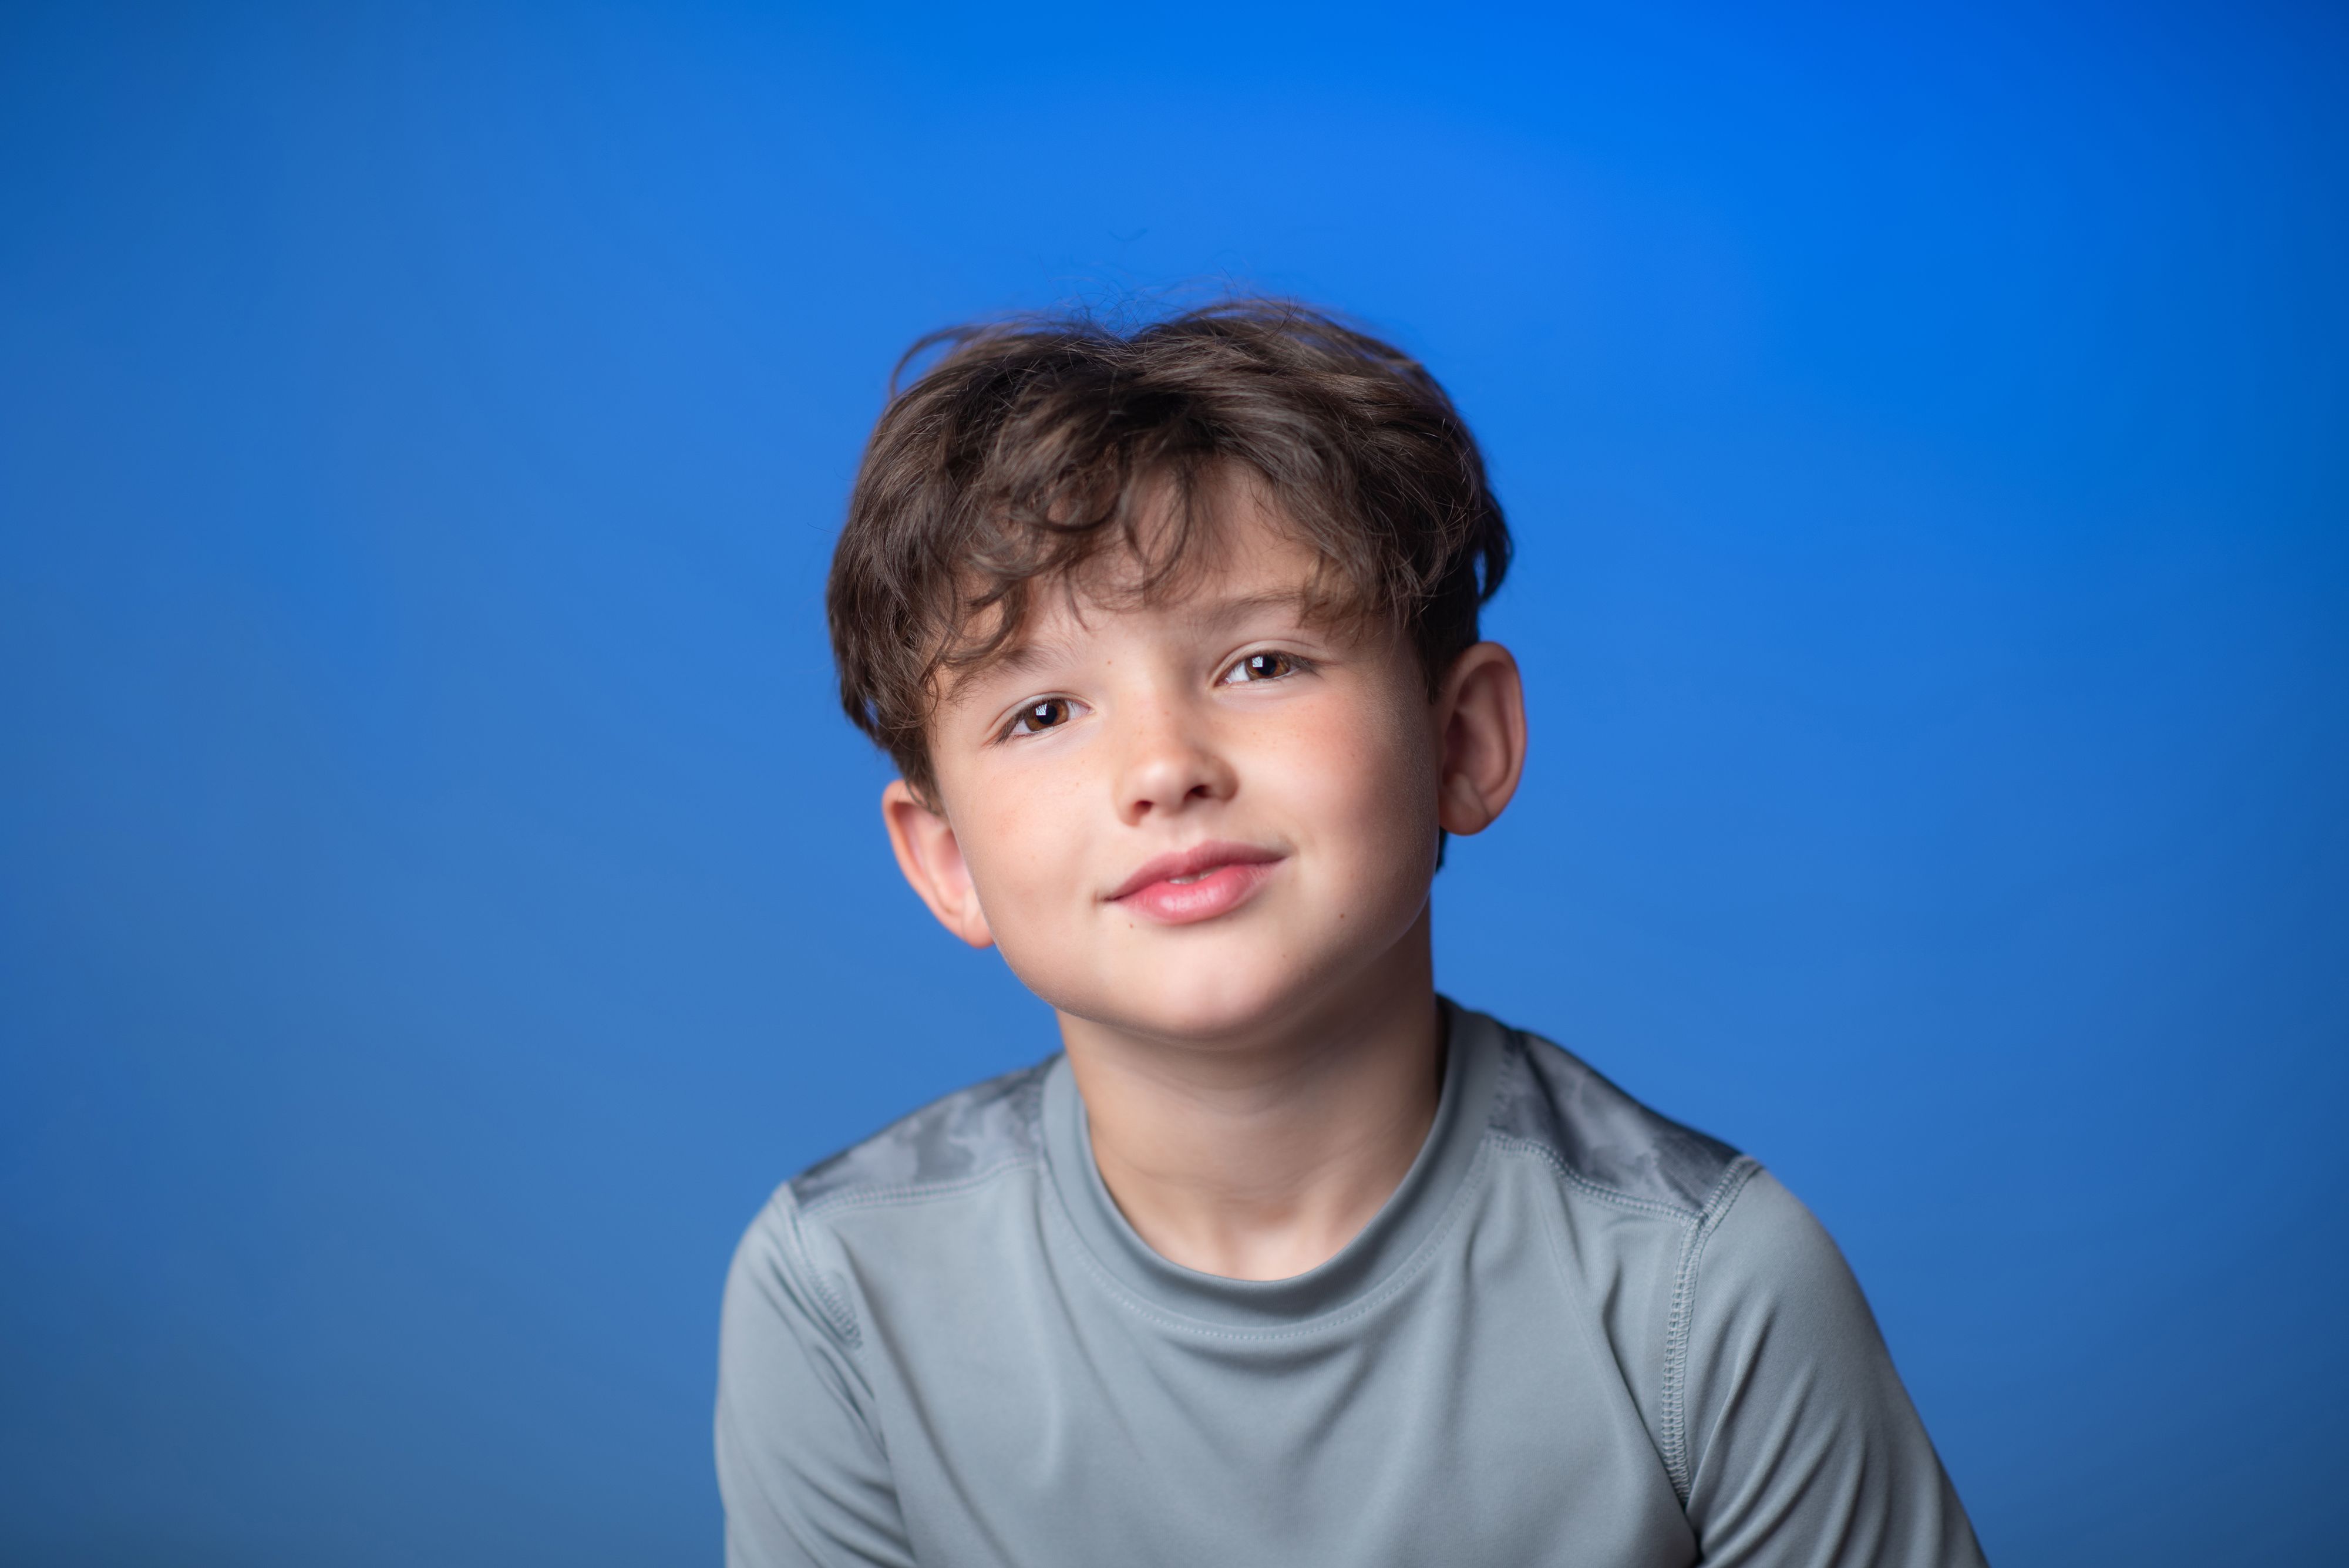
1261	1158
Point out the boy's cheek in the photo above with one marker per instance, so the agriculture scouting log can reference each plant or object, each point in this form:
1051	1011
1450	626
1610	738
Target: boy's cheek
1360	787
1026	862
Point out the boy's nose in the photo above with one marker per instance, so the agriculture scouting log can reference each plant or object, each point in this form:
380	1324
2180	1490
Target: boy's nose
1169	767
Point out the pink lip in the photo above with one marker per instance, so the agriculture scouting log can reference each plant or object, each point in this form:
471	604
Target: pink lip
1224	876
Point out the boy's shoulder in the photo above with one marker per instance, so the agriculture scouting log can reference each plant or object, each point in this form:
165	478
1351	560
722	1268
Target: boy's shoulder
954	1142
1549	1102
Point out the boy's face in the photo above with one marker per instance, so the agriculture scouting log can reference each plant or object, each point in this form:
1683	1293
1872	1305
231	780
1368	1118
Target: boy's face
1201	817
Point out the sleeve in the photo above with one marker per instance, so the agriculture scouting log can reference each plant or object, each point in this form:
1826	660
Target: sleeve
1802	1446
800	1465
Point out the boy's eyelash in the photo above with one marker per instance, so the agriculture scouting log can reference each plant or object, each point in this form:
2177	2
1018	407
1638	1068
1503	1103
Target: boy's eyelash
1297	664
1040	707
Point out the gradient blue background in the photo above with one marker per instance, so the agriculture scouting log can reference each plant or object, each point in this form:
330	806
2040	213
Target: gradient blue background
439	899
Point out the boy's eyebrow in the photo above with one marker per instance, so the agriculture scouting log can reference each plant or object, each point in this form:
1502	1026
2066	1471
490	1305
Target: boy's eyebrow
1017	659
1244	604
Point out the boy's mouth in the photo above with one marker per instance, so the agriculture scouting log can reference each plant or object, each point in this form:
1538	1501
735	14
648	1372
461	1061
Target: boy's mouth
1197	884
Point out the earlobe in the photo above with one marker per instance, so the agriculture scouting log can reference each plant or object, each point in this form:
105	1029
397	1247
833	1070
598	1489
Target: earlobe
931	859
1484	739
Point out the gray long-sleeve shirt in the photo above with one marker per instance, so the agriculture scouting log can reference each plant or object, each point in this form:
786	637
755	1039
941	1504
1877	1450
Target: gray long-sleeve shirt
1576	1334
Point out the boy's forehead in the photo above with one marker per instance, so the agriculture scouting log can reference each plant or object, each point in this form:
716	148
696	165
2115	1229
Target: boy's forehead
1252	570
1243	565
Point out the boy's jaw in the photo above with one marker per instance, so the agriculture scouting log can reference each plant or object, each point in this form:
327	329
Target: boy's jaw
1197	884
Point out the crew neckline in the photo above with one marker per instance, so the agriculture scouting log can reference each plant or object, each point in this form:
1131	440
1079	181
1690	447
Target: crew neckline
1394	1235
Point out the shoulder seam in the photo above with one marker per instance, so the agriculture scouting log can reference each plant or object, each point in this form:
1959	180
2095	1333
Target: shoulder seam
839	1316
1549	1157
1672	1403
915	1192
1669	1143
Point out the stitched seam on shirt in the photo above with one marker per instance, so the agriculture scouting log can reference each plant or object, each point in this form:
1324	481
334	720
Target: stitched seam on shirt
915	1192
842	1316
1409	1269
1672	1402
1550	1158
1588	1319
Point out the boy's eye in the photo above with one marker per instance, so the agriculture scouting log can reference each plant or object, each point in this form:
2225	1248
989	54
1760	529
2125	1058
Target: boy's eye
1049	714
1266	666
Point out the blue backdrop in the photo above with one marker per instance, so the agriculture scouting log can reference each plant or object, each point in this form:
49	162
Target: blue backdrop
441	899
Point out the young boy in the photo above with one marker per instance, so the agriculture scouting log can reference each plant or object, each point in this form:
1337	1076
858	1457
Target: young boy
1284	1259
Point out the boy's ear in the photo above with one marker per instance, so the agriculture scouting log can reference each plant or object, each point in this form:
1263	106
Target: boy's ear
931	859
1483	712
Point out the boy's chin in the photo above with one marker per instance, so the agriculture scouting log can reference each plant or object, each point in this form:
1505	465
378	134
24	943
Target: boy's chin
1207	1009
